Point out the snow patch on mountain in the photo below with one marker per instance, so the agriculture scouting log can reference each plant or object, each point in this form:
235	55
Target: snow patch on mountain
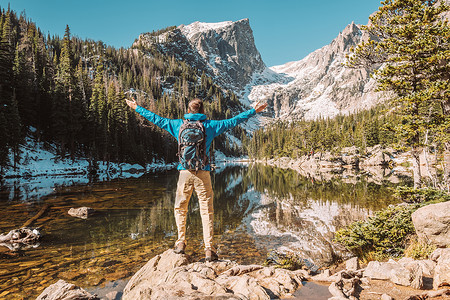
199	27
319	85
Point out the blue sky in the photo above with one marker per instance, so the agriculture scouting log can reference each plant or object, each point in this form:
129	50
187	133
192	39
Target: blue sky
284	30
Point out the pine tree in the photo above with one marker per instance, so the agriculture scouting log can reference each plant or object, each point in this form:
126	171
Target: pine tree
412	40
7	94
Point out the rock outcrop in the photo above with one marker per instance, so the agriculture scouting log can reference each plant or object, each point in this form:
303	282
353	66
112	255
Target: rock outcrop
228	48
432	223
319	84
173	276
225	51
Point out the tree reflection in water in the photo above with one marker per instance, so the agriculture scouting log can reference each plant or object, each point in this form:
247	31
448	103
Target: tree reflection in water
257	209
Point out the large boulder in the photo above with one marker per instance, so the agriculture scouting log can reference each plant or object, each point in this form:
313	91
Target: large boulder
173	276
62	290
396	273
432	223
442	271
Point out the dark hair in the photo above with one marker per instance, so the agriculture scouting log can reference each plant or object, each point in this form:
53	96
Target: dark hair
196	106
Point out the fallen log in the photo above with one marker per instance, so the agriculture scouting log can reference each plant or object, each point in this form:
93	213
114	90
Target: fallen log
21	238
37	216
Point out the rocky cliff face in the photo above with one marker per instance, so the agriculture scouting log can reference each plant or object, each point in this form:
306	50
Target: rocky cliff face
226	51
319	85
228	48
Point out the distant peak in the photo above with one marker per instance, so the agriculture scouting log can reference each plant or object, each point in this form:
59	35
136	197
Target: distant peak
196	27
350	28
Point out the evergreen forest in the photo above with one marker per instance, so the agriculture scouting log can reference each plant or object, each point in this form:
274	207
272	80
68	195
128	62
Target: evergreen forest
70	94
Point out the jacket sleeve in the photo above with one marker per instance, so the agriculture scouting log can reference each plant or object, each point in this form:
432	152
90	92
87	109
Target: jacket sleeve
223	125
170	125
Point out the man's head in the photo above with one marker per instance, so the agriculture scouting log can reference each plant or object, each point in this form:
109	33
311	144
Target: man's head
195	106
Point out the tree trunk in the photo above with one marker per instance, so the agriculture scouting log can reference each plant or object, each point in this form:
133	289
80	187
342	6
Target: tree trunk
447	165
415	152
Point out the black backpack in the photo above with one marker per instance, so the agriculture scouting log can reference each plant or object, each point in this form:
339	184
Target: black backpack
192	145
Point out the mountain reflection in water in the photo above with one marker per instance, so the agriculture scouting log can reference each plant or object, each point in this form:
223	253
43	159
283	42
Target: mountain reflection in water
257	209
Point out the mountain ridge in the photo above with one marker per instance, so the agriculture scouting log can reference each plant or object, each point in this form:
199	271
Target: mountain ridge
319	85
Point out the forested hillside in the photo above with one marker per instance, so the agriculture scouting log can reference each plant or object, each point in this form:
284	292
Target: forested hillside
72	92
296	138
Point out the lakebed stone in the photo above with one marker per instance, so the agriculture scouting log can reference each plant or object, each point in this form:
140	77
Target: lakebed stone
172	275
20	238
81	212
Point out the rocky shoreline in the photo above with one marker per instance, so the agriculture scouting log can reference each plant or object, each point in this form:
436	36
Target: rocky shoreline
176	276
349	164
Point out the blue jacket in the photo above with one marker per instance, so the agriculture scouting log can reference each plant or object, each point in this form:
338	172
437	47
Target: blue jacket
212	127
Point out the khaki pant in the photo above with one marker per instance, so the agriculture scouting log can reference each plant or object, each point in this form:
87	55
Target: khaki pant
201	182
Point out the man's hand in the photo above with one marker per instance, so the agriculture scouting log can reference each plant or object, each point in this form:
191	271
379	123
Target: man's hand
259	107
131	103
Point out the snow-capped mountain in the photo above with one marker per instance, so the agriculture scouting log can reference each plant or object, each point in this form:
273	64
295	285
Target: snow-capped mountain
226	50
319	85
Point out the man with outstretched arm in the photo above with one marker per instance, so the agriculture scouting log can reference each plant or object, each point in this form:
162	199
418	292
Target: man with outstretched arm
198	180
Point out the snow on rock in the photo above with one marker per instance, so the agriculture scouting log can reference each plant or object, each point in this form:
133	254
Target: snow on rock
319	85
199	27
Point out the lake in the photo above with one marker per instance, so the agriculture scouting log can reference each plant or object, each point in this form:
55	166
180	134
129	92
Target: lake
258	209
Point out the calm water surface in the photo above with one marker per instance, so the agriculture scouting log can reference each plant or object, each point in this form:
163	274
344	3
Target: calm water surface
257	209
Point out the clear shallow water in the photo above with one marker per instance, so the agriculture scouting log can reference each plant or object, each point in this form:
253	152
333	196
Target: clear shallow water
257	209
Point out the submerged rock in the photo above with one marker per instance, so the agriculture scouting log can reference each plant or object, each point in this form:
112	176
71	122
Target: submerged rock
62	290
81	212
172	276
20	238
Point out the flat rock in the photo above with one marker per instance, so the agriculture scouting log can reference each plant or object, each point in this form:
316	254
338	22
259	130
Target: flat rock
62	290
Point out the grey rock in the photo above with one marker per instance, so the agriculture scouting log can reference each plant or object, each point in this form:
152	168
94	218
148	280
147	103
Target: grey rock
81	212
396	273
432	223
173	276
386	297
427	265
378	270
377	157
62	290
112	295
442	270
352	264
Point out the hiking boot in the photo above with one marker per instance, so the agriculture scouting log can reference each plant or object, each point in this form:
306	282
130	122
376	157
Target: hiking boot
210	255
179	248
